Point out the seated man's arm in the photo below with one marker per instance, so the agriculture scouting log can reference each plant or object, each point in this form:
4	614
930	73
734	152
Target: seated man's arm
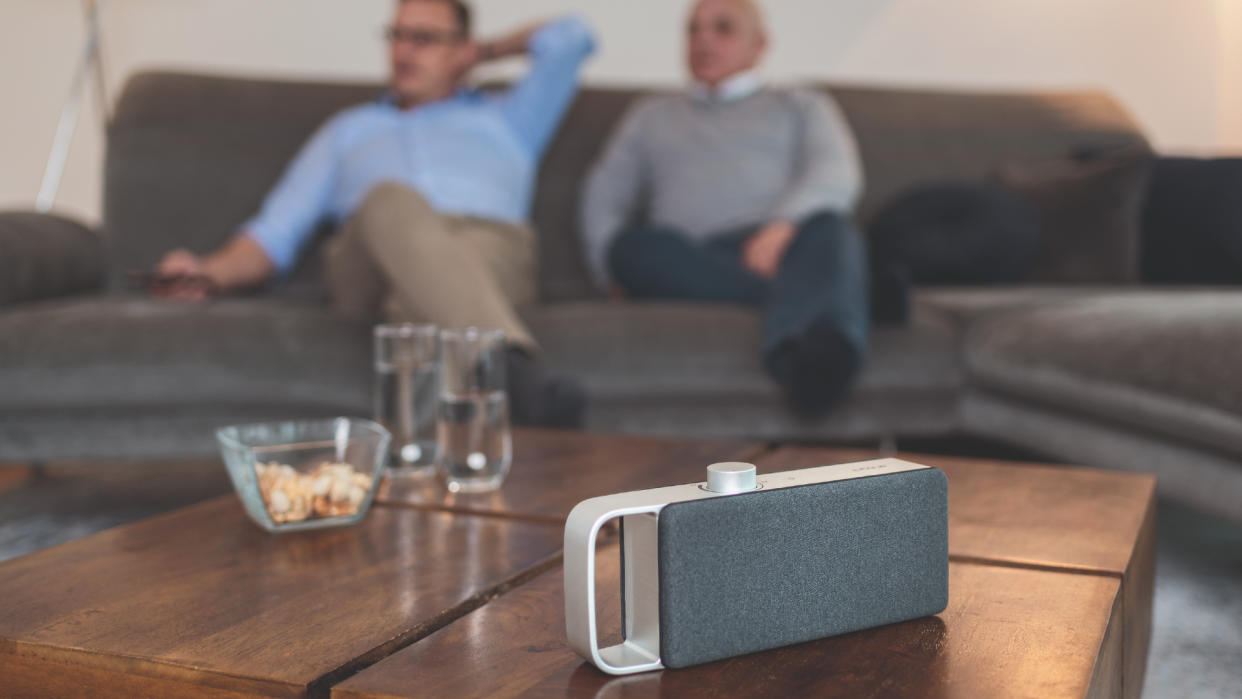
535	105
614	188
829	176
238	264
269	243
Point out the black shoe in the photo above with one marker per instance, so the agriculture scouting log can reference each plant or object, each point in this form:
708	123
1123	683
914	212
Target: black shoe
815	369
539	399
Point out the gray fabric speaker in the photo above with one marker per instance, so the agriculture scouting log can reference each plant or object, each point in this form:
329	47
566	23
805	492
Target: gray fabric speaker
743	564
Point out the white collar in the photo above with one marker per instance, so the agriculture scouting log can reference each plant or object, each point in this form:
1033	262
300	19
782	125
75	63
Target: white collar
739	86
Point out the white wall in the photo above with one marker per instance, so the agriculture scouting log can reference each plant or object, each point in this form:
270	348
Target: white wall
1229	129
1176	63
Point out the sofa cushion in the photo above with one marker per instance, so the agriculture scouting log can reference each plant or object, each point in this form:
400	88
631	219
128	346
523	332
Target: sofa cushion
693	370
1164	362
910	137
667	349
967	305
1089	211
122	353
190	158
131	433
906	138
176	136
44	256
956	233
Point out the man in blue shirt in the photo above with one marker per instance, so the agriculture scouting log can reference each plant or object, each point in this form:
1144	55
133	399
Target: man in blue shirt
432	185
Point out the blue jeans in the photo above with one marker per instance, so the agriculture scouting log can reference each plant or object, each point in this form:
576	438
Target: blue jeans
821	287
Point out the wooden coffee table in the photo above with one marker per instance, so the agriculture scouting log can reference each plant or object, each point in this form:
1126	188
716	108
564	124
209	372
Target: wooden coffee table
439	595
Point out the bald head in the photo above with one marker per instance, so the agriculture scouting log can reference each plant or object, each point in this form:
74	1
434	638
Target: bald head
748	11
724	38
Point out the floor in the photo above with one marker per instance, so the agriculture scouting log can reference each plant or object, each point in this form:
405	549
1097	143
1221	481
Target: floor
1196	650
61	503
1196	645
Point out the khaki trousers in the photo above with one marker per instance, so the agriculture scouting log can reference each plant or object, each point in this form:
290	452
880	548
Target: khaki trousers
397	254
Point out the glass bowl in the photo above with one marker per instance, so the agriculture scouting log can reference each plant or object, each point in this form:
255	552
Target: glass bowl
305	474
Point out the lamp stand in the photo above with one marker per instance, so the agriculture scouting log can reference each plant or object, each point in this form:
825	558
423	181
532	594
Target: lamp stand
90	62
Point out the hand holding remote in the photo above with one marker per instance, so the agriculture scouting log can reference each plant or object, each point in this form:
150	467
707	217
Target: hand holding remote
180	275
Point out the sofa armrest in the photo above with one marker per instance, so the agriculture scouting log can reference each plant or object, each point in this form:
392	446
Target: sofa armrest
44	256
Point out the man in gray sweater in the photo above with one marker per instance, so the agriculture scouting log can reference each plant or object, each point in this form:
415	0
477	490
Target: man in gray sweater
733	192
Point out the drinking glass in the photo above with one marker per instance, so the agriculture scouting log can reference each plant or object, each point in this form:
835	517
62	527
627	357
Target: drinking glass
407	387
475	446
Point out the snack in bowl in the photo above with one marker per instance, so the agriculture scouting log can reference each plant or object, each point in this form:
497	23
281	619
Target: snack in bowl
330	490
296	475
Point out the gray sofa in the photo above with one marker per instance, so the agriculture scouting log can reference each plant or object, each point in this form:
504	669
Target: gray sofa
1124	377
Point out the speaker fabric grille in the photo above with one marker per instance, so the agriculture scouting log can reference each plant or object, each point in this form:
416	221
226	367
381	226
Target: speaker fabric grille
749	572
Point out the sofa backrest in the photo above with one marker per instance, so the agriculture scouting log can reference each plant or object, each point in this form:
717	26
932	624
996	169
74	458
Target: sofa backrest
190	157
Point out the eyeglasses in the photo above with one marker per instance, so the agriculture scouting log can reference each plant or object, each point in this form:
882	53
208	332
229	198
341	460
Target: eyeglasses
719	27
421	38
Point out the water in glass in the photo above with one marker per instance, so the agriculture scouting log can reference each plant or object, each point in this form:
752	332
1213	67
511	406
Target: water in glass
475	447
407	386
406	404
473	432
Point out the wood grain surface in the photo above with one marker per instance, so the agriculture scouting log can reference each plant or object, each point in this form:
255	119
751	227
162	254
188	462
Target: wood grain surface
1050	593
1008	632
554	470
202	598
1043	516
1028	514
1138	595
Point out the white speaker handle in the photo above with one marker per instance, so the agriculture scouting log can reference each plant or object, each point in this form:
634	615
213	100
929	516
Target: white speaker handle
581	530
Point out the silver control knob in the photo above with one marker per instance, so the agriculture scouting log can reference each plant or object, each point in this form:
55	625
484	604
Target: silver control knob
731	477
